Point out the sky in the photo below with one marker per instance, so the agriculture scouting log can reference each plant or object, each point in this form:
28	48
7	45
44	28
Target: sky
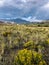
26	9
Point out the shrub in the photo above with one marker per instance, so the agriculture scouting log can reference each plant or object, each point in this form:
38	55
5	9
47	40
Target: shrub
28	57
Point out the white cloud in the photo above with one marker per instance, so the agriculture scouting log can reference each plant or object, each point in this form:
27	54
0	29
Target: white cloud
32	19
45	6
22	4
43	11
28	18
2	3
18	3
24	1
27	6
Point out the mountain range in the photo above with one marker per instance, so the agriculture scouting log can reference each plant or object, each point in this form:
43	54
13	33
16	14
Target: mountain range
16	20
21	21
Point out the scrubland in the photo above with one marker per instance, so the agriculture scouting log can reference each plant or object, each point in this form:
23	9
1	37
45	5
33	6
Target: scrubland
24	45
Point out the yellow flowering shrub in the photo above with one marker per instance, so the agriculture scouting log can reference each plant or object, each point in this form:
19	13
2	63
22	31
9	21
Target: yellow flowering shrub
28	57
29	45
42	63
48	41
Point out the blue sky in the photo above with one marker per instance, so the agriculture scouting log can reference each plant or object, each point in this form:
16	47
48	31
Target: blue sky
26	9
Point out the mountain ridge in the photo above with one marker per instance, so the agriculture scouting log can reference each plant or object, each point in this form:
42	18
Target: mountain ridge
16	20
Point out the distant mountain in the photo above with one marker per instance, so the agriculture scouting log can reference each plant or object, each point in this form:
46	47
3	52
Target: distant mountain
22	21
19	21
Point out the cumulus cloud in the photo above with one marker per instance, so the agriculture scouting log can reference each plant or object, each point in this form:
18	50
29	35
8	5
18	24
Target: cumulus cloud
43	11
45	6
20	3
2	3
33	9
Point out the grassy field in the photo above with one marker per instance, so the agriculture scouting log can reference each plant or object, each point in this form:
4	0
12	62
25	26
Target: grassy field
24	45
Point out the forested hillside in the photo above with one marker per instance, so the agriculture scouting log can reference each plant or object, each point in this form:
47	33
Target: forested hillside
24	45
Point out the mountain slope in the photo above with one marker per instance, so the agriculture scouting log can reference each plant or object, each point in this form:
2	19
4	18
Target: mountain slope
19	20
